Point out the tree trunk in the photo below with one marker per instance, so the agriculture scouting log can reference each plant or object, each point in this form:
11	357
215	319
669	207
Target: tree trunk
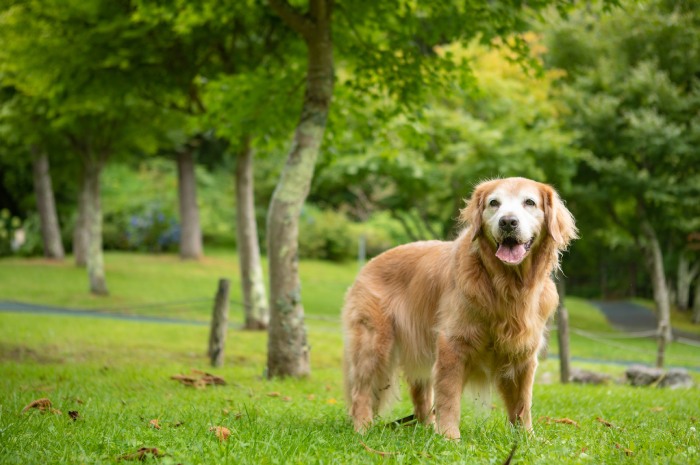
684	279
46	205
658	279
93	221
288	350
80	229
696	303
254	297
190	230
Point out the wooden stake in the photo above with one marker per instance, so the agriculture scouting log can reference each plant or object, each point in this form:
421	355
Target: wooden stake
563	333
219	324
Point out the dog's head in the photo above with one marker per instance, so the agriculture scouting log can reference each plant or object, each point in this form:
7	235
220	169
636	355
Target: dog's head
517	214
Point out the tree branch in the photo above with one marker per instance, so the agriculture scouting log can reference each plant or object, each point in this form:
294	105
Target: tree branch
293	18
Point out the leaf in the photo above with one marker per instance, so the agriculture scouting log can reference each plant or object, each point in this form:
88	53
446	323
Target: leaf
627	451
74	415
566	421
142	454
332	401
273	394
199	379
657	409
605	422
311	397
221	432
286	399
43	405
154	423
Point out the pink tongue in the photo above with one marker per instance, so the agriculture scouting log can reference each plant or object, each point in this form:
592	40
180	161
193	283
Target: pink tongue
514	254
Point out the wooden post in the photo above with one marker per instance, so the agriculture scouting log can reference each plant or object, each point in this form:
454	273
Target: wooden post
219	324
563	333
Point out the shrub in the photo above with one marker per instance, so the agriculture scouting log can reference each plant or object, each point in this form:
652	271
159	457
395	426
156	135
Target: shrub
325	235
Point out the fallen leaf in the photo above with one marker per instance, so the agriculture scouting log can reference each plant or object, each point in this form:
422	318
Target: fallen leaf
627	451
328	387
273	394
221	432
693	419
332	401
73	414
605	422
142	454
378	452
657	409
43	405
199	379
154	423
39	404
178	424
566	421
287	399
311	397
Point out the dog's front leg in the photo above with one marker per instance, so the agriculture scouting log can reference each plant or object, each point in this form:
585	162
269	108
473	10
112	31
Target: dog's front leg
516	390
449	374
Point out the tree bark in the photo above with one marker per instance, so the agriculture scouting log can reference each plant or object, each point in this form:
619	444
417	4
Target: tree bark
190	230
684	279
696	303
80	229
658	279
288	350
46	205
93	221
254	296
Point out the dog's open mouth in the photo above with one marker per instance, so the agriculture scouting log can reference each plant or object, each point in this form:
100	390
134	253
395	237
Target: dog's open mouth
512	251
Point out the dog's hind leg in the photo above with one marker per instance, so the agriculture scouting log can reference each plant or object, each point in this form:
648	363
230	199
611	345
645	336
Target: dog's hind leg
422	397
370	365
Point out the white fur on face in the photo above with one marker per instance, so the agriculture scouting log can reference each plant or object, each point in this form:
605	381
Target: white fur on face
522	203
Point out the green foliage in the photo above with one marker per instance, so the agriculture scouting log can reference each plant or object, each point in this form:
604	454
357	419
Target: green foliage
420	165
325	235
148	190
633	103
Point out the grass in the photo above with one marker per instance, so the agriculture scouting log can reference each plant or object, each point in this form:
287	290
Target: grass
116	375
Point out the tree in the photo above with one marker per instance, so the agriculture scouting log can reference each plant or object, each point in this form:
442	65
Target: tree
629	87
390	49
78	59
503	124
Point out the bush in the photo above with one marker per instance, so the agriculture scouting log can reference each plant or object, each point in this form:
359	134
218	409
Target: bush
149	229
9	225
325	235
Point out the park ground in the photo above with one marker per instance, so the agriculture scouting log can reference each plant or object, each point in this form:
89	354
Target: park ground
110	379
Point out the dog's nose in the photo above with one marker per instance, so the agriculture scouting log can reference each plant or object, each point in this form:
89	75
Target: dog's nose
508	223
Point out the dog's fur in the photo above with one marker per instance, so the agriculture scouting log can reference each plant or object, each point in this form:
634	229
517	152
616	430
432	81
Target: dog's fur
469	310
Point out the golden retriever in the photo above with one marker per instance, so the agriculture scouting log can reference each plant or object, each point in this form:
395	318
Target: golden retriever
472	310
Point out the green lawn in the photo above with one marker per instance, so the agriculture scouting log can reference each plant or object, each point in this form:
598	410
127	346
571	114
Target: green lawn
116	375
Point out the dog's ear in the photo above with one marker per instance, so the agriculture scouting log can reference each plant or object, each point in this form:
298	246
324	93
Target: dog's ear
560	222
471	214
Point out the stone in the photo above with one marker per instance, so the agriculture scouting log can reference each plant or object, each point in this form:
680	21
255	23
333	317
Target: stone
675	378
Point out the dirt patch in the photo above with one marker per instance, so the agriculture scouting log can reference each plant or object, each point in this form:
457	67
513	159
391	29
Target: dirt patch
21	353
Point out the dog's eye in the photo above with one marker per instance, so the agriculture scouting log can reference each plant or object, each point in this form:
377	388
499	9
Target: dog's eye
530	203
494	203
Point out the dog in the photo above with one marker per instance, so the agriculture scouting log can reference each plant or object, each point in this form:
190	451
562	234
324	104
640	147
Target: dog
469	311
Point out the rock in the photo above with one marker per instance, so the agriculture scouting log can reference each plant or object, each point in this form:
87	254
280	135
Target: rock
588	377
677	378
639	375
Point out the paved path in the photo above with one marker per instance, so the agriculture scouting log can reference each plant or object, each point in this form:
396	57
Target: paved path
21	307
631	317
